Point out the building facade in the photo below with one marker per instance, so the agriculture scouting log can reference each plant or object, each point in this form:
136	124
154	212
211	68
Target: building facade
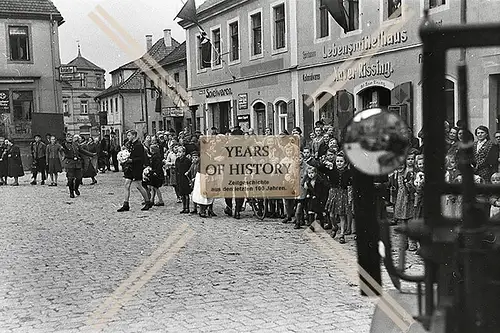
30	94
264	69
82	82
130	101
245	76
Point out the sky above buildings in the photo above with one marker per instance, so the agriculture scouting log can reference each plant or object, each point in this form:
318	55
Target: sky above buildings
138	17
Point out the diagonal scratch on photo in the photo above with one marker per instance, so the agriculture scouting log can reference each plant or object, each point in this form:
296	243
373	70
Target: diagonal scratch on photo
249	166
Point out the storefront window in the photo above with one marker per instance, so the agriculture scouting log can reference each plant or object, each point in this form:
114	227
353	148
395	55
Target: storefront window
23	104
326	108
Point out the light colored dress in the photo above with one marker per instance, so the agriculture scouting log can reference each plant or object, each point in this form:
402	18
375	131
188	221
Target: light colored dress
198	197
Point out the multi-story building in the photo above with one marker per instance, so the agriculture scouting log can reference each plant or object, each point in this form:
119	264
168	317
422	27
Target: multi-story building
82	82
280	63
173	113
130	101
245	75
30	94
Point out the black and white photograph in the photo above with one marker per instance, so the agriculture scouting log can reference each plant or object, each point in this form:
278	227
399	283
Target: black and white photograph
302	166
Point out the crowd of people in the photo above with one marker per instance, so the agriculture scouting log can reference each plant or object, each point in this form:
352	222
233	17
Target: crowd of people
173	160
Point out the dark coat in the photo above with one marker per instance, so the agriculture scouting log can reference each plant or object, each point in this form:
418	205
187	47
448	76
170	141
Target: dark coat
14	161
157	177
138	156
317	195
73	155
182	165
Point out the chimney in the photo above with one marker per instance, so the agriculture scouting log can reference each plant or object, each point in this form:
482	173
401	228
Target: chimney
149	42
167	34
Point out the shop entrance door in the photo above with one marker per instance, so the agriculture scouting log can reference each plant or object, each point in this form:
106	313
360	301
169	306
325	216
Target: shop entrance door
260	118
220	116
375	97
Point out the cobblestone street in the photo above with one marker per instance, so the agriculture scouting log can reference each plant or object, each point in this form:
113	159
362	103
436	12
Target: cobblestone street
76	265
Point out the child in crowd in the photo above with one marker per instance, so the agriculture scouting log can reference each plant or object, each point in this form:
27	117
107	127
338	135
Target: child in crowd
495	199
300	207
419	188
193	170
405	199
157	177
450	203
316	195
338	202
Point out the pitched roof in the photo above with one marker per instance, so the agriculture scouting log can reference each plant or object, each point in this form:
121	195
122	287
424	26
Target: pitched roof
134	82
207	4
33	7
82	63
158	51
179	53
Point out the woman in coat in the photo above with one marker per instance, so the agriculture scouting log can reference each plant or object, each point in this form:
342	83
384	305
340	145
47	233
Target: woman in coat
182	165
54	149
485	154
15	165
90	162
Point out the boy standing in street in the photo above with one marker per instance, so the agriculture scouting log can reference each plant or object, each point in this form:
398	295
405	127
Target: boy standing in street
132	171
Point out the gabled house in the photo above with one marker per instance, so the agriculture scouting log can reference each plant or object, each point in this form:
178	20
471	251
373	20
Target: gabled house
82	82
130	101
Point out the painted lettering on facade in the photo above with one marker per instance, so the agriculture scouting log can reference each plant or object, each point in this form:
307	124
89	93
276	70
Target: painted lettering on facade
366	43
363	70
218	92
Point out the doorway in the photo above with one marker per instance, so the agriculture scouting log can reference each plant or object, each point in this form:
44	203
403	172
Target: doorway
259	110
220	116
375	97
178	124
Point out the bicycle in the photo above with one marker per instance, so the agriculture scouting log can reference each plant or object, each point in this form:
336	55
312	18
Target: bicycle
259	207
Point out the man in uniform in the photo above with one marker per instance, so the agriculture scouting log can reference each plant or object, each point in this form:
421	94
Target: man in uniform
73	162
132	171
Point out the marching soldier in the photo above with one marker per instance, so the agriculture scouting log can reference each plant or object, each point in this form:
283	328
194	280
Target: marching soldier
73	163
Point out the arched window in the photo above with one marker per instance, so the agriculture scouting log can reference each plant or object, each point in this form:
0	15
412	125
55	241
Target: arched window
281	109
326	108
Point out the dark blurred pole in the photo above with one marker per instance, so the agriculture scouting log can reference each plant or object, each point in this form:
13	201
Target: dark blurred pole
367	228
463	20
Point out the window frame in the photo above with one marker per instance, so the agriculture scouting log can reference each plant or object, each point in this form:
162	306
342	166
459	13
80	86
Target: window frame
384	5
359	30
317	23
281	116
230	40
251	35
213	64
11	101
199	55
66	106
177	77
30	43
272	20
84	110
425	4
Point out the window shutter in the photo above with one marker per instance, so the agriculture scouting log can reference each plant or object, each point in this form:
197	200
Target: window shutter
290	115
235	112
270	116
402	102
308	116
